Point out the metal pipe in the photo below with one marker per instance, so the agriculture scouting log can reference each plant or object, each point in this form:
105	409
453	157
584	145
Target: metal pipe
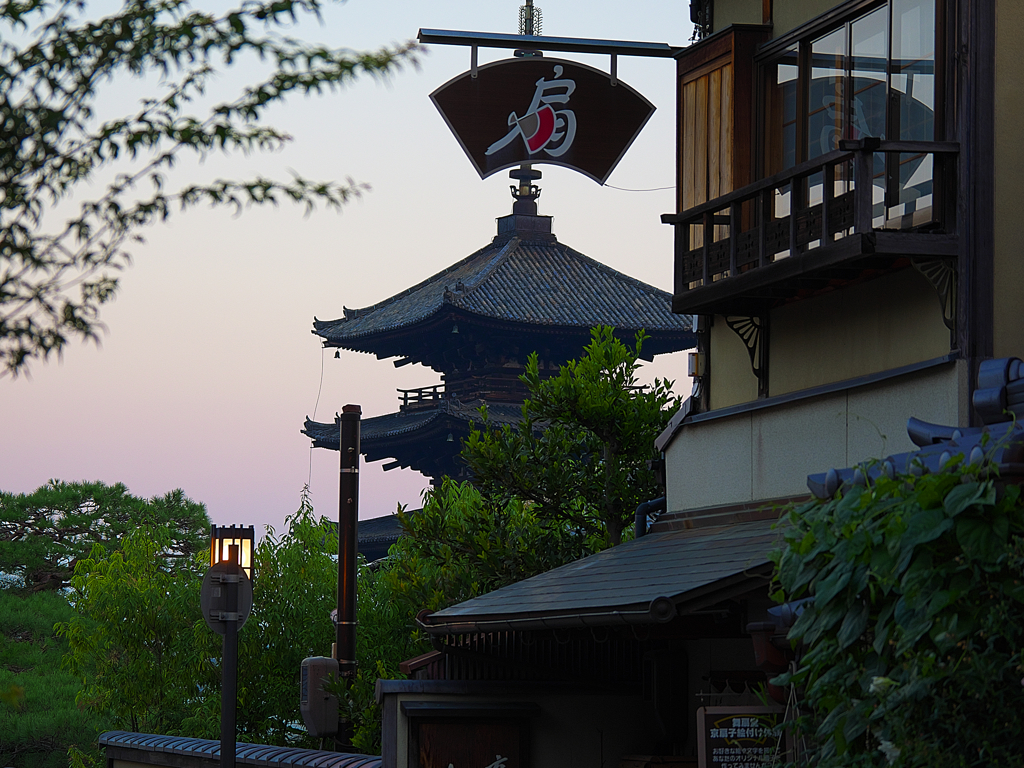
348	514
229	669
642	511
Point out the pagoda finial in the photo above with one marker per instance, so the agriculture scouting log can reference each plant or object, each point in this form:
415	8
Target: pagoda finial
525	193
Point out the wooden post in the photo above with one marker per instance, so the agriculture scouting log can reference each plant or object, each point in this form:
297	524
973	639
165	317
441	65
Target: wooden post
765	198
348	514
863	173
796	188
734	236
709	233
828	195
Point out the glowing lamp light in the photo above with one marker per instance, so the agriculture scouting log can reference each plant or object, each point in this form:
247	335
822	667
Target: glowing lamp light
228	542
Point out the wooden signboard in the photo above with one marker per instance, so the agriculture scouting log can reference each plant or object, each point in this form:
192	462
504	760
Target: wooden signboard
739	737
541	110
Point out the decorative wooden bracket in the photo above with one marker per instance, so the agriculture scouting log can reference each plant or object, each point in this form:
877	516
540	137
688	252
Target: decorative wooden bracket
752	332
941	273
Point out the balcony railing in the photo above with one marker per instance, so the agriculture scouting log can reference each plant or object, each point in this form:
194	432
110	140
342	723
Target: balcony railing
870	201
422	397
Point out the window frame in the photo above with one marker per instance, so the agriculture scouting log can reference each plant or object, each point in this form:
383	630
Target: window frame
841	16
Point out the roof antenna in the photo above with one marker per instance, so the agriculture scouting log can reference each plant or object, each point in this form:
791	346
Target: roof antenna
531	20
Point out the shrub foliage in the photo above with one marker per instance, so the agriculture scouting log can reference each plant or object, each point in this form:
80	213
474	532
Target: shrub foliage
910	652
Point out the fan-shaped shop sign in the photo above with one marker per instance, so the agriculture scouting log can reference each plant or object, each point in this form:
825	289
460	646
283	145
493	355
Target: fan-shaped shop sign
540	110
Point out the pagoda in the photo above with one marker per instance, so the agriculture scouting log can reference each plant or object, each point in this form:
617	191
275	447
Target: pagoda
477	322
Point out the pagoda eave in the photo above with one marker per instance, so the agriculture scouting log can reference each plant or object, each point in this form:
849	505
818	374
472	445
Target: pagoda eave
432	340
420	439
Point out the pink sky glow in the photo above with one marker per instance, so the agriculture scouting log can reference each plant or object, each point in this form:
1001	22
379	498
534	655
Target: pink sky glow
208	367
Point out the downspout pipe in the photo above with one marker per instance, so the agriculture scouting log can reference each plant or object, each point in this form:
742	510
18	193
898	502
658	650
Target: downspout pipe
645	509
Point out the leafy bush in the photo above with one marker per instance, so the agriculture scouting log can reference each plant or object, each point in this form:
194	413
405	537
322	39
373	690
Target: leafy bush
463	544
581	454
43	534
911	649
39	720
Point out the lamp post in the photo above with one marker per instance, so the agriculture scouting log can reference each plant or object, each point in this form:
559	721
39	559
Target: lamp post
226	601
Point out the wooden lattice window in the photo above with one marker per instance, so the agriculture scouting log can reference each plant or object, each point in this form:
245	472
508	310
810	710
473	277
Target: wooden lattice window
716	100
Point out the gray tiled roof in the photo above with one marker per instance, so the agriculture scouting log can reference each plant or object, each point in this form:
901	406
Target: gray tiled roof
325	434
535	284
385	527
245	754
628	578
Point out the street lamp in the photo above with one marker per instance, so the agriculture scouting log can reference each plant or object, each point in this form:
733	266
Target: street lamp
226	601
223	537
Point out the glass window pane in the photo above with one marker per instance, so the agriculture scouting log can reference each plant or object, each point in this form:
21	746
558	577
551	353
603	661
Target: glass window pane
868	70
913	69
780	112
826	100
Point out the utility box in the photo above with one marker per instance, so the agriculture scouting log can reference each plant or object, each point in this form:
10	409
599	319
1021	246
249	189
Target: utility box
319	709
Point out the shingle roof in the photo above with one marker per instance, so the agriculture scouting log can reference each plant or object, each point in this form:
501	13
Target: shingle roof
385	527
633	582
326	435
534	284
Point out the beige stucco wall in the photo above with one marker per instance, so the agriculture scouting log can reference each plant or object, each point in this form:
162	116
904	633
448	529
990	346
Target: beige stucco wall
732	378
569	731
1008	309
768	453
737	12
874	326
789	14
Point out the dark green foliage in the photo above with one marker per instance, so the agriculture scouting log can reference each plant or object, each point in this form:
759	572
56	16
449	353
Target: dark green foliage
581	454
129	641
56	272
39	720
43	534
463	544
149	662
913	647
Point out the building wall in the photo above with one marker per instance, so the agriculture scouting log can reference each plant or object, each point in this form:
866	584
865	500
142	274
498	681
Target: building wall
790	14
874	326
866	328
768	453
732	378
1008	309
737	12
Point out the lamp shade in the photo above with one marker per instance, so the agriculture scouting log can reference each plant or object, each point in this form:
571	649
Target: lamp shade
224	537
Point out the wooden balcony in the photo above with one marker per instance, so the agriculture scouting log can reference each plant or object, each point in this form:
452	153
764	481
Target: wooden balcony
421	398
869	206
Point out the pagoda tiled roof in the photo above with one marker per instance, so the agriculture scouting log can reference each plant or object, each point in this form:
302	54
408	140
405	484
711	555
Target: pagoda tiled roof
543	284
392	425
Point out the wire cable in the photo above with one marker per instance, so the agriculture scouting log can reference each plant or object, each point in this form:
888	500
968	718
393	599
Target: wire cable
652	189
320	389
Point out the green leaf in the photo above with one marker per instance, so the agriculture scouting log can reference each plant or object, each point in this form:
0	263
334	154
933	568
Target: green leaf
833	584
968	495
854	624
924	526
982	539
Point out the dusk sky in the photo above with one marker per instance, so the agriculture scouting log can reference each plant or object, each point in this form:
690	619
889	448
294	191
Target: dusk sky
208	367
